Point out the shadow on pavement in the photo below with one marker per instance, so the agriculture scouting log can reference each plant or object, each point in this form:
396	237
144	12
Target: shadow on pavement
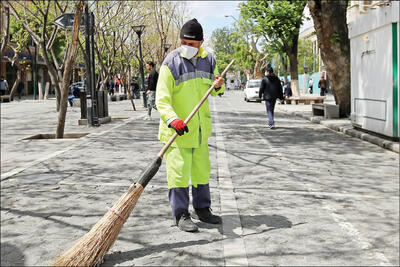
11	255
120	257
249	222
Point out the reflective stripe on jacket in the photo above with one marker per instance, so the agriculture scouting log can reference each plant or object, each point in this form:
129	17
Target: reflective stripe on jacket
180	88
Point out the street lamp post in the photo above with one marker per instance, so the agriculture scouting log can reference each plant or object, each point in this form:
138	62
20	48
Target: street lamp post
35	72
139	30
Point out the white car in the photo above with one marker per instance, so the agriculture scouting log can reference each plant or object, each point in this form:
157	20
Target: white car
251	91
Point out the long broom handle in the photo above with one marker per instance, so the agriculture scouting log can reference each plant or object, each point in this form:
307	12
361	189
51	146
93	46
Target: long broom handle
173	137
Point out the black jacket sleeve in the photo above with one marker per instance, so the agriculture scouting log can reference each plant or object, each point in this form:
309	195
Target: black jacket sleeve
262	88
280	91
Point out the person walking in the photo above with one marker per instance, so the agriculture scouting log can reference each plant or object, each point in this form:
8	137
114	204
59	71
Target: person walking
310	85
3	85
322	86
117	83
112	87
20	88
151	88
135	89
270	90
185	76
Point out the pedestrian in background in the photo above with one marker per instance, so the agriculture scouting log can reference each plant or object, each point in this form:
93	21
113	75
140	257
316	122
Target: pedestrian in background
3	85
76	93
310	85
185	76
288	90
117	83
111	92
20	88
151	88
135	89
270	90
322	86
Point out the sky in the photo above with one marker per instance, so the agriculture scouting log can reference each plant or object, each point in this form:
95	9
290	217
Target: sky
211	14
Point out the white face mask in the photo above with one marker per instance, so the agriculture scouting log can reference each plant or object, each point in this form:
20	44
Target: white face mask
189	51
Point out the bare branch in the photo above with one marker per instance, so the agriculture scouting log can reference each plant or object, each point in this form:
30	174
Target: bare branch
52	38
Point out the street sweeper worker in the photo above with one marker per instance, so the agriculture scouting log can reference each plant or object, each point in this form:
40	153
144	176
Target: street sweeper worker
185	76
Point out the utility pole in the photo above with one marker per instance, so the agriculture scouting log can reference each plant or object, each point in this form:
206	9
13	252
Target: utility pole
92	110
35	73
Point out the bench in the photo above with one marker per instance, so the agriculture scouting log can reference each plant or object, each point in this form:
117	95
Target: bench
118	97
329	111
5	98
307	100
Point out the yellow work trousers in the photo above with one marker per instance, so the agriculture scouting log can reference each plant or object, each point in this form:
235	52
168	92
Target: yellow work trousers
187	163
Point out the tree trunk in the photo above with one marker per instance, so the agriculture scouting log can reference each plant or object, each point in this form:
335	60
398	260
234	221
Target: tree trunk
294	73
67	72
6	28
291	51
52	73
16	83
284	64
330	24
257	69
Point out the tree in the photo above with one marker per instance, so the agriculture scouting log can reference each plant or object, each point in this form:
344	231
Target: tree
36	18
305	55
222	43
68	70
229	43
163	13
332	32
279	22
18	41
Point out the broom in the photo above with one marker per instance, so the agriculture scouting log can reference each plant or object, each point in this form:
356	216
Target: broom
90	249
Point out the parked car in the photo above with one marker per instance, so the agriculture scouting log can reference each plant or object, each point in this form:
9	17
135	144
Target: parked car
251	91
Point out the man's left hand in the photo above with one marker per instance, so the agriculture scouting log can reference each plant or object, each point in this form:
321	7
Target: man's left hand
218	82
148	92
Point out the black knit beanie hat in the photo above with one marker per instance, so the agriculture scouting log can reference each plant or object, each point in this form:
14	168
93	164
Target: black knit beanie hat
192	30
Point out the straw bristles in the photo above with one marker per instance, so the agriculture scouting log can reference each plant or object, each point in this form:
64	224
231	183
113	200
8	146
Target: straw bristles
90	249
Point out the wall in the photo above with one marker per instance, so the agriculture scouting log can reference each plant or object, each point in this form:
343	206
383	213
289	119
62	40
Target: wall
374	71
304	91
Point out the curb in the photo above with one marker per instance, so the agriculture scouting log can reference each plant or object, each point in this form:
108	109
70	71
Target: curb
348	129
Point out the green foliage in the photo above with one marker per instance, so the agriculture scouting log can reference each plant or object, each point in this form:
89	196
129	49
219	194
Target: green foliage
17	33
278	21
231	43
222	44
30	15
305	55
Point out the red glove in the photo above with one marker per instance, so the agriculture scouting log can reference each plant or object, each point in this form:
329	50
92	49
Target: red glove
179	126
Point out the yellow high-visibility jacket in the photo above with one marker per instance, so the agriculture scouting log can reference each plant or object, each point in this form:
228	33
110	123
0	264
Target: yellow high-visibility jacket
180	87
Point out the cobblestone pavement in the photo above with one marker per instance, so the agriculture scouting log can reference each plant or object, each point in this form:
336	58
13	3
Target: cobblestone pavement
297	195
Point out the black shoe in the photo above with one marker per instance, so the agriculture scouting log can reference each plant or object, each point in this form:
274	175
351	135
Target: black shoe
185	223
205	215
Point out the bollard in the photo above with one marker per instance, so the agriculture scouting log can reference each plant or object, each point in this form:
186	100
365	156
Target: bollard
82	97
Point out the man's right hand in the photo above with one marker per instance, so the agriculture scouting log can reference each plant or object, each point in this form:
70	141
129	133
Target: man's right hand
179	126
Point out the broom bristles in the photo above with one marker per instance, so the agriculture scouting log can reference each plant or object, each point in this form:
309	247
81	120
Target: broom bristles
90	249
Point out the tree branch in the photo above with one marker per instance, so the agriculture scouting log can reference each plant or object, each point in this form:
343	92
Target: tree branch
34	36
